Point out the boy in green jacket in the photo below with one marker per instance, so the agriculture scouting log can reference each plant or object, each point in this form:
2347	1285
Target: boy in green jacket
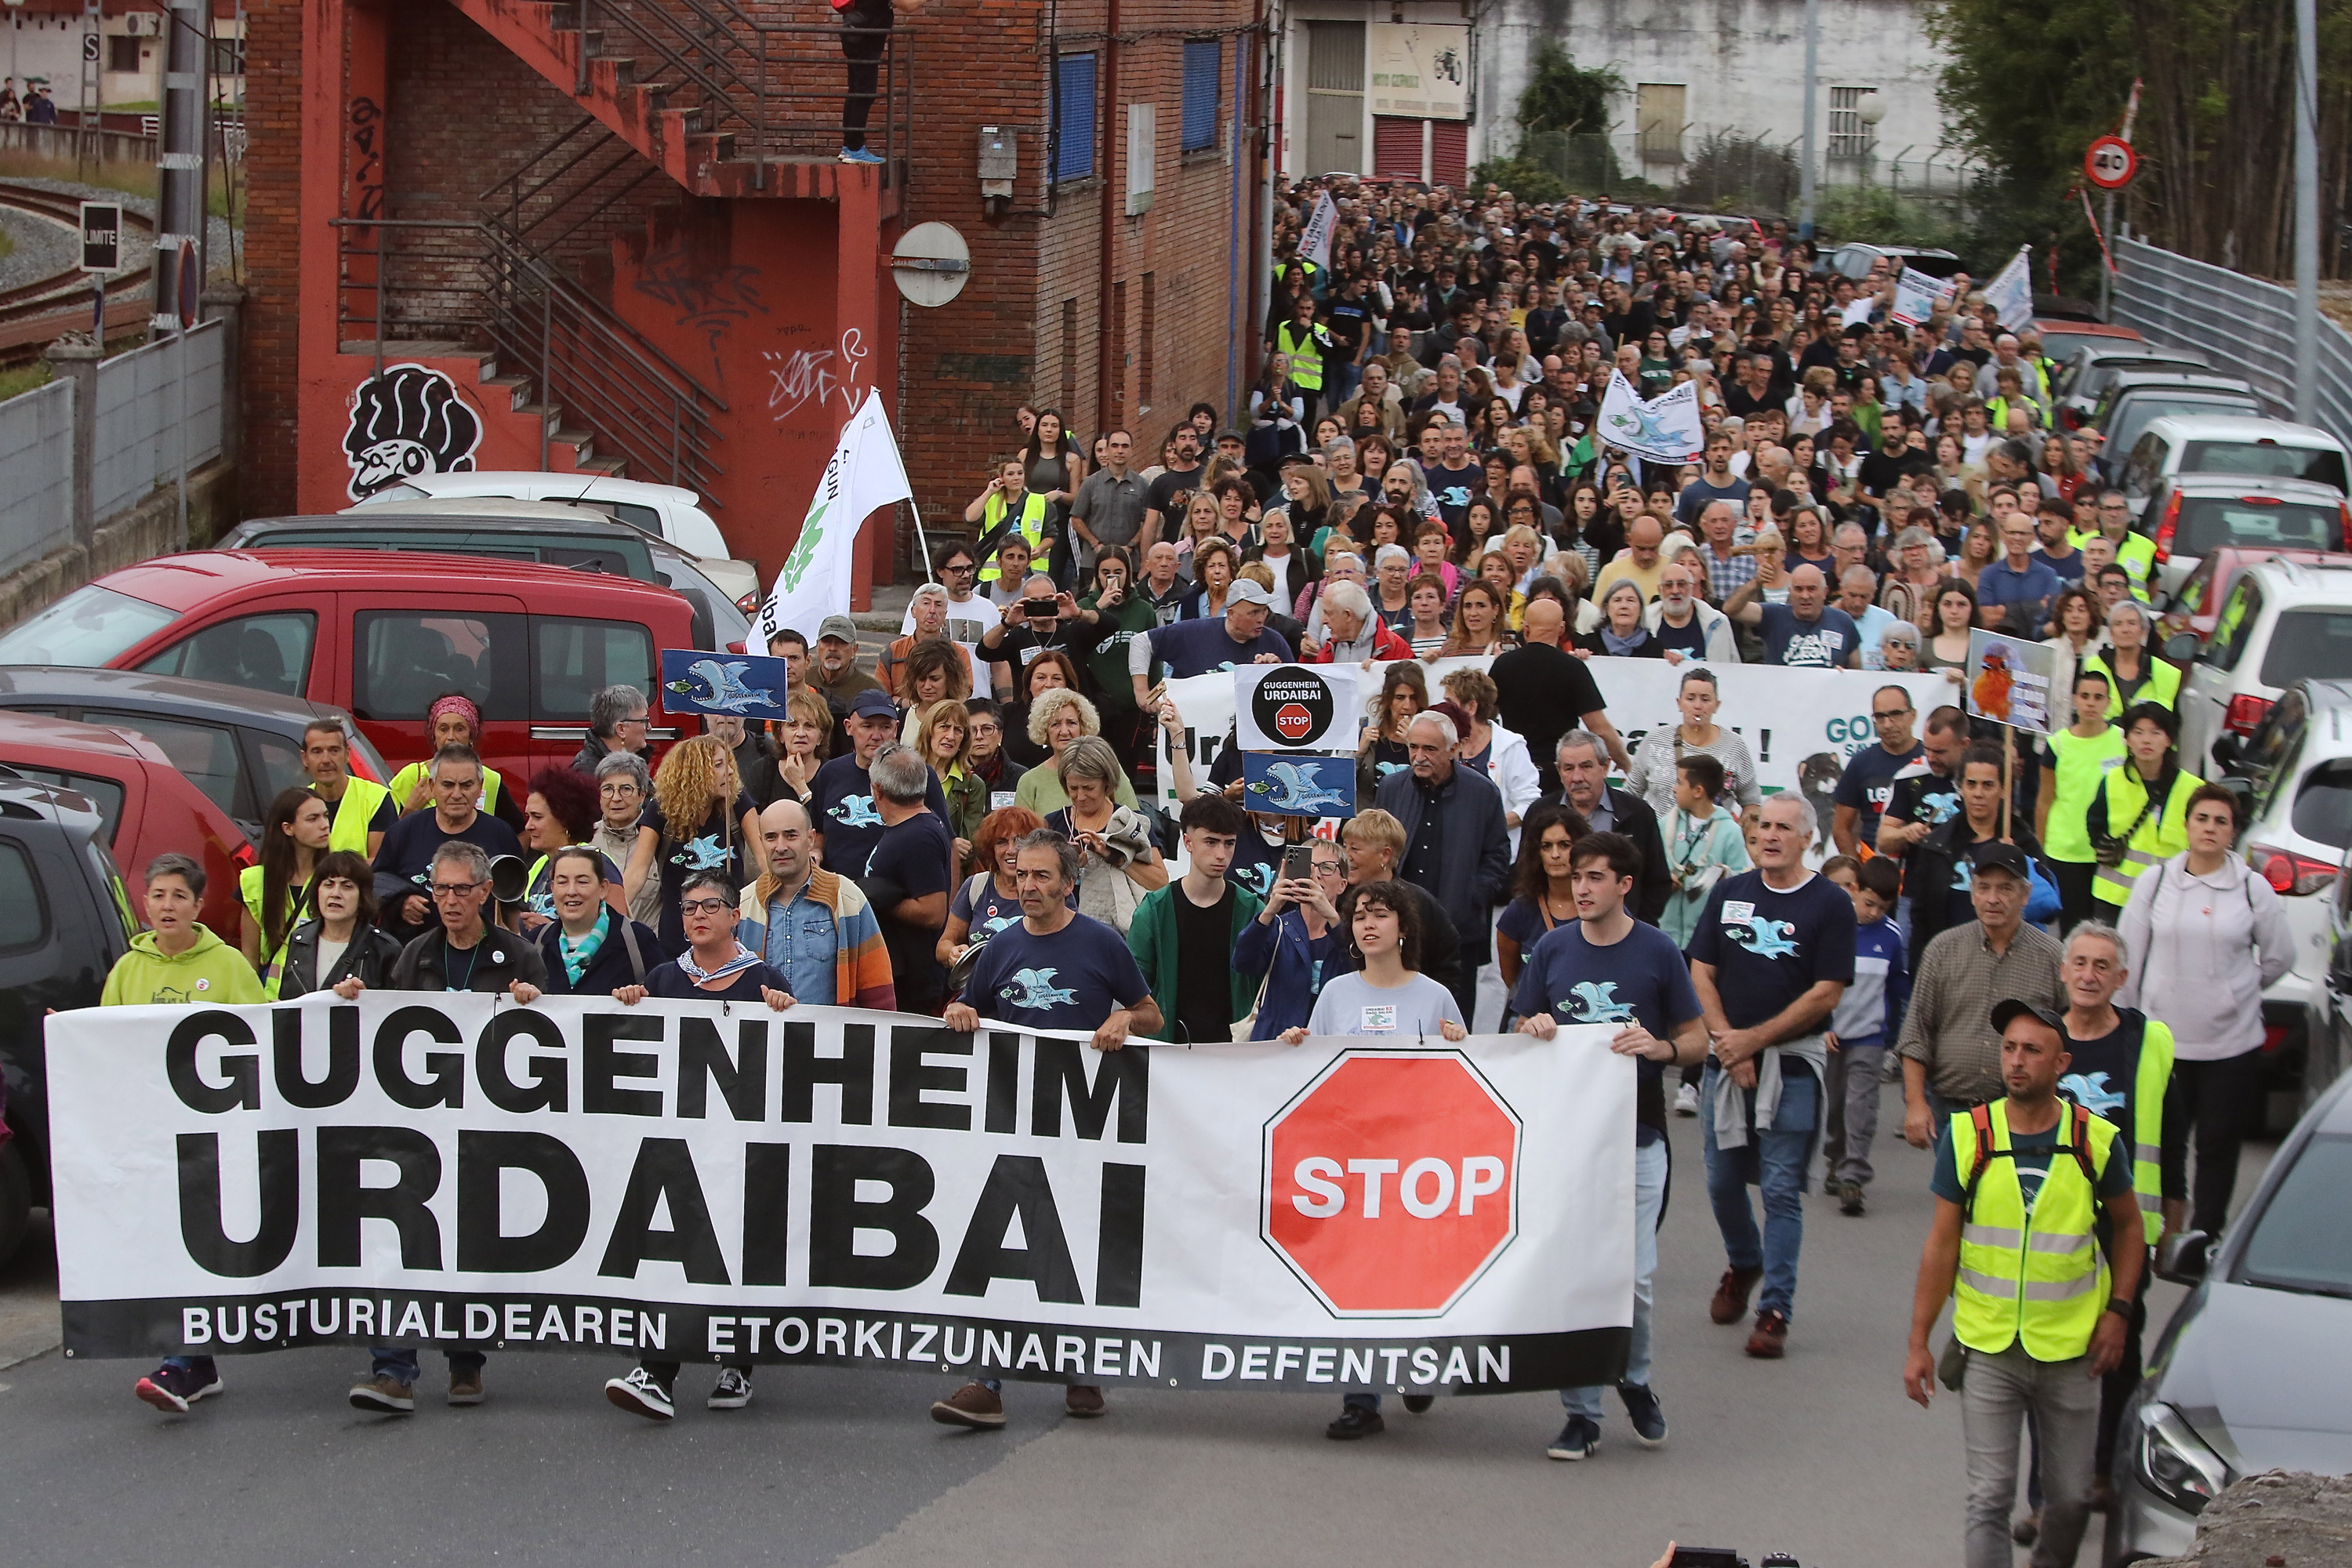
177	960
1182	934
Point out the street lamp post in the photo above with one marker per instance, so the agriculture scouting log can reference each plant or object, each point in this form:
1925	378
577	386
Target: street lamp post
2307	213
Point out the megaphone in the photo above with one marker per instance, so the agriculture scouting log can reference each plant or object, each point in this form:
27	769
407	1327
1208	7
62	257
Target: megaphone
510	879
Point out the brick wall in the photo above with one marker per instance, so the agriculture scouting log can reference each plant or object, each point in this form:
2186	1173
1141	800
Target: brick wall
273	163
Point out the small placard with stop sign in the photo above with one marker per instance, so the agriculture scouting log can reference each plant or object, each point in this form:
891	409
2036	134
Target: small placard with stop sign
1296	707
1392	1181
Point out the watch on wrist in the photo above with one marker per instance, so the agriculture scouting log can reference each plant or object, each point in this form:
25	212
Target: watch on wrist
2120	1306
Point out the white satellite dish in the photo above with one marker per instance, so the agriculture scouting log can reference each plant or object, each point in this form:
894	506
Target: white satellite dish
931	264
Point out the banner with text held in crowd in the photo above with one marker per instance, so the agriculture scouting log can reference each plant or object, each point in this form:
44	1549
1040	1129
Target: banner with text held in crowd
824	1185
1800	725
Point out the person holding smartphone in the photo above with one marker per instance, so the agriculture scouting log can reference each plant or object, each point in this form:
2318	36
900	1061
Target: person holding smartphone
1289	948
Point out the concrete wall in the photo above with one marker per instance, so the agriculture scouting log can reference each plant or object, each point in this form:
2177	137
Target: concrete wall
126	539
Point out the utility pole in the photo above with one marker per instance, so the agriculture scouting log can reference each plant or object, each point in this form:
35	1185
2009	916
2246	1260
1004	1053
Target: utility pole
181	161
2306	212
1812	75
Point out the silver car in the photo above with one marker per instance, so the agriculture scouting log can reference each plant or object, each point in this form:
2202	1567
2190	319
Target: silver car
2251	1374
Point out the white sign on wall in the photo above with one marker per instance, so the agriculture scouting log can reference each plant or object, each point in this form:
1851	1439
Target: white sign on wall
1418	71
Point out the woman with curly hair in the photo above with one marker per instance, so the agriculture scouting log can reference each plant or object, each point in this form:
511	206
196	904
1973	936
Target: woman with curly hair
1404	693
1056	719
699	819
1050	670
987	901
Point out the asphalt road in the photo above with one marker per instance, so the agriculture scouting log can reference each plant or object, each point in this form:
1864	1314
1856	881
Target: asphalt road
1819	1455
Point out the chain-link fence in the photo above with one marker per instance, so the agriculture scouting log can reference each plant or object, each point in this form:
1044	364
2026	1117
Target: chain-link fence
1731	170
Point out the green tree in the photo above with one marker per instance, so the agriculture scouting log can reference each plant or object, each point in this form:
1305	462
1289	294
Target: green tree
1565	97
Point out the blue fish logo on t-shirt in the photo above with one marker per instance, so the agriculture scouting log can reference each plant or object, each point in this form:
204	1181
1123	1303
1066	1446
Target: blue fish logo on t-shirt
1600	1003
1766	939
2090	1091
855	811
703	854
1031	988
1940	808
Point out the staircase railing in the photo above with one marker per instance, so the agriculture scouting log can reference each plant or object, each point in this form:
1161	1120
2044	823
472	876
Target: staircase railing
776	87
478	284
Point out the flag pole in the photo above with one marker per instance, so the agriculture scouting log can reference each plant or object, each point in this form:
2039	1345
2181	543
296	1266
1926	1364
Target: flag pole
923	562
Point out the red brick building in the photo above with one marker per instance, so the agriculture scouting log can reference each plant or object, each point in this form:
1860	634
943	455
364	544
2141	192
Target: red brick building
480	238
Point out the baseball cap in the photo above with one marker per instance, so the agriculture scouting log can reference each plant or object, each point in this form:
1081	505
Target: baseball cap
840	628
873	701
1245	592
2007	1012
1995	855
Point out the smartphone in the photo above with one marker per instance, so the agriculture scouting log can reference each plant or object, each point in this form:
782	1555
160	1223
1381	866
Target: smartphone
1706	1557
1299	863
1037	607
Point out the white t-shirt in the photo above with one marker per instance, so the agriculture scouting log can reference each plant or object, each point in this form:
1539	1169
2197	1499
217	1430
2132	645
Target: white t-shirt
331	953
1351	1004
968	620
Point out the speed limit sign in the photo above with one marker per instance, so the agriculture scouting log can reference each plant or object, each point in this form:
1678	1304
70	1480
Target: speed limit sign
2110	163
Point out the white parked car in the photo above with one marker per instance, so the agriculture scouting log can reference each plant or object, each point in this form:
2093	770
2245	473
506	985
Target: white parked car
2229	444
2281	622
666	511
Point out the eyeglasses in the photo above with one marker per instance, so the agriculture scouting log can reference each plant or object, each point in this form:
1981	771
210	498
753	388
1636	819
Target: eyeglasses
623	786
964	570
634	719
702	906
1890	715
454	890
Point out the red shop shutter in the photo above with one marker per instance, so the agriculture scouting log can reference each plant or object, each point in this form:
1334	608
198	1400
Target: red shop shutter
1449	152
1396	147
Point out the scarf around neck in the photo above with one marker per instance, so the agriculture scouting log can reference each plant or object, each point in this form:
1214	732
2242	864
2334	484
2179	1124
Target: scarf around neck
577	954
743	959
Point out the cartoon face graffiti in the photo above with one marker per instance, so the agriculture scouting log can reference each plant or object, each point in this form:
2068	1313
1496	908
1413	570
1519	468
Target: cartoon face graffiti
408	421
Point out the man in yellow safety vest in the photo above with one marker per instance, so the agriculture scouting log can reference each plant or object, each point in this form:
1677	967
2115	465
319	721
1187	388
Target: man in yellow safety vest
363	809
1304	341
2038	1243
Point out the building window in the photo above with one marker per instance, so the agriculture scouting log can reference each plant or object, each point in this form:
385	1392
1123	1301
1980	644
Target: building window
1074	114
1200	95
121	53
228	57
1142	156
1849	137
1658	121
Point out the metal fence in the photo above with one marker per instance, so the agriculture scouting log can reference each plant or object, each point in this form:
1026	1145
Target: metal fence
37	512
1729	169
159	415
2245	325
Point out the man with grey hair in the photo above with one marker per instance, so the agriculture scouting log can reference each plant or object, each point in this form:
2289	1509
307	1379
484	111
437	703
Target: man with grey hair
403	864
1806	633
928	609
1355	634
616	722
1770	958
1582	760
909	876
1457	848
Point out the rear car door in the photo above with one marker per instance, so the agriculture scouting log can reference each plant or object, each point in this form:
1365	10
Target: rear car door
572	657
264	647
205	752
57	942
408	649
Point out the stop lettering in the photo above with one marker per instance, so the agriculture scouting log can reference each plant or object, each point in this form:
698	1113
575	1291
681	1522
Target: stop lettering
1392	1181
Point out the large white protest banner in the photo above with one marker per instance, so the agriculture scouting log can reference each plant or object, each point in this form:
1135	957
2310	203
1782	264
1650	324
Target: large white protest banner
825	1186
863	476
2010	292
1802	726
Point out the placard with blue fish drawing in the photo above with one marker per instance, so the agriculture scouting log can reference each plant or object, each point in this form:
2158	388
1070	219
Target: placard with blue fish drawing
1291	784
723	683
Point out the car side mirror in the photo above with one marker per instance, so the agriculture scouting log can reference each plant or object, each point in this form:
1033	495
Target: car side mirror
2225	751
2182	1259
2182	648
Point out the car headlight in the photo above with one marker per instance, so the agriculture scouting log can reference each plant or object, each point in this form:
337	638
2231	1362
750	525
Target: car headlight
2175	1463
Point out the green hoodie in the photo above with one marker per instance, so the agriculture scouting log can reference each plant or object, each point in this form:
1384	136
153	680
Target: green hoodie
212	971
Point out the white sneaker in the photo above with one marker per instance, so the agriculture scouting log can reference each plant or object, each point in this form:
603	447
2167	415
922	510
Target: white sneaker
731	1391
1686	1101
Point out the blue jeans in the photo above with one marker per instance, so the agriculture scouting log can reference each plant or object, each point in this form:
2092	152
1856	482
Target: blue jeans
399	1362
1650	1163
1340	383
1776	1161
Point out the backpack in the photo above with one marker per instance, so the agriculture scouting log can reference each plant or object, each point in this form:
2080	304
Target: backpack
2078	1144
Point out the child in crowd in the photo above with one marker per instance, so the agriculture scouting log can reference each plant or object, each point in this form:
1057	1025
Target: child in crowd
1867	1018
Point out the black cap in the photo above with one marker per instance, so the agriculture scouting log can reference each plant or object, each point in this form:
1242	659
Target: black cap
1994	854
2008	1012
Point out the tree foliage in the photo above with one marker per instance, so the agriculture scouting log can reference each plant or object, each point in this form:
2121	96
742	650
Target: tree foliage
1563	96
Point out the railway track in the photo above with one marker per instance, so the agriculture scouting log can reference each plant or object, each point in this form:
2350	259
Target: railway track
34	314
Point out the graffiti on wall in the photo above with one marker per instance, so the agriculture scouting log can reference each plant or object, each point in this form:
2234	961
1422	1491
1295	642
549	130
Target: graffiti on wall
802	377
404	421
367	159
707	299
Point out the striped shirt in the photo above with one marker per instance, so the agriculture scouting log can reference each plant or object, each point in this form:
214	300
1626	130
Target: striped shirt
1725	577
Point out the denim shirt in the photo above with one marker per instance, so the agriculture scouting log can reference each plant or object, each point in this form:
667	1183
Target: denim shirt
802	944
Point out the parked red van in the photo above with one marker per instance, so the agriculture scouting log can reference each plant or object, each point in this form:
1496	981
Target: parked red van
381	635
146	805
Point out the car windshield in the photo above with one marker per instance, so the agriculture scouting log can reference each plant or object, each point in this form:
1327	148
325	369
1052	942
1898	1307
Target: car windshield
2265	459
2301	1242
2316	644
2323	805
90	627
2205	522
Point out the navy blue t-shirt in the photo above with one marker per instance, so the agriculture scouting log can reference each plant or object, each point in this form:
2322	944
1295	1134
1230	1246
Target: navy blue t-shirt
1770	948
1824	644
667	980
1204	647
1868	784
1641	980
914	854
1072	980
843	810
407	850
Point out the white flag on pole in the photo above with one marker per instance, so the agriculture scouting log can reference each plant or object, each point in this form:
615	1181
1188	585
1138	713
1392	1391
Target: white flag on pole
1315	243
863	476
1666	429
2010	293
1915	293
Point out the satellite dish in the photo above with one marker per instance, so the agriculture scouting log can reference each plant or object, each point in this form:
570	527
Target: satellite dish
931	264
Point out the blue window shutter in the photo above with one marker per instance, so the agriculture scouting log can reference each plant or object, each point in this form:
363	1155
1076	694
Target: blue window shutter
1074	158
1200	94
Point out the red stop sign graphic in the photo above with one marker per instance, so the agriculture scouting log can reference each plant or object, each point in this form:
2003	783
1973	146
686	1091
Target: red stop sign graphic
1293	723
1392	1181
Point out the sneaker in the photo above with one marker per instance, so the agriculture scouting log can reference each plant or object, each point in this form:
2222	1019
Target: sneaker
1643	1410
1830	1185
1849	1197
731	1391
1419	1404
1082	1400
2028	1528
1731	1293
1686	1101
382	1395
973	1404
1770	1339
465	1387
173	1389
860	155
1355	1421
641	1394
1580	1439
